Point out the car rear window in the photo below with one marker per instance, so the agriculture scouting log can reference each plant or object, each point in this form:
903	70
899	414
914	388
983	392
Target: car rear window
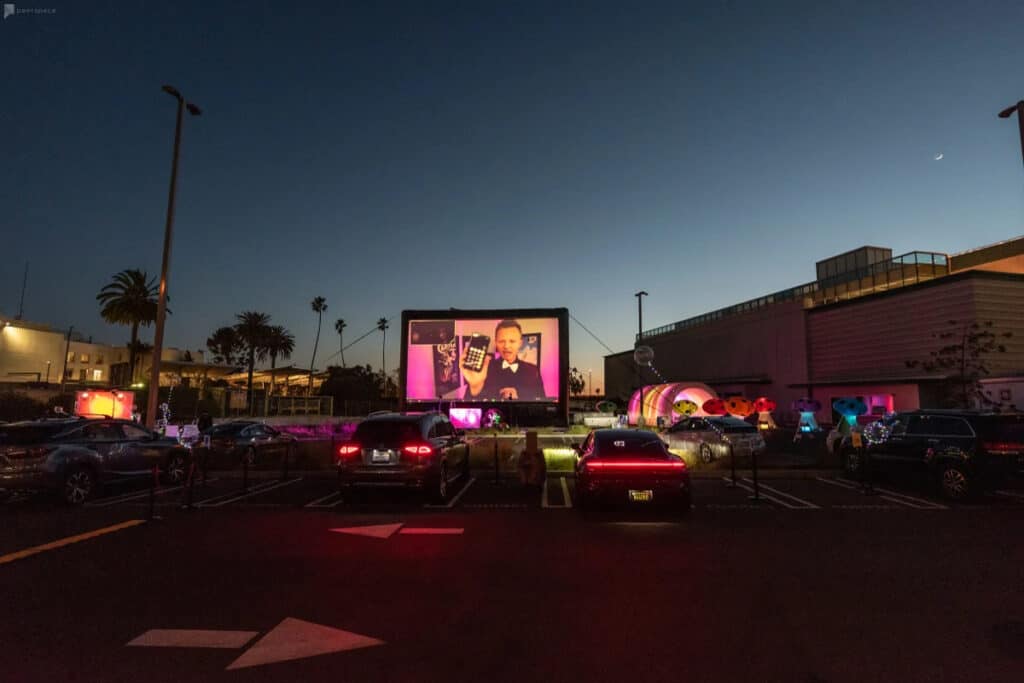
387	431
734	426
23	435
628	445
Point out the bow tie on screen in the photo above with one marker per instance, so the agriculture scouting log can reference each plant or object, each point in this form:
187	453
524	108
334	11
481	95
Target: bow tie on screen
505	365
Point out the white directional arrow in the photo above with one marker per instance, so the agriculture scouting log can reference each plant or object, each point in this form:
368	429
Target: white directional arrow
297	639
374	531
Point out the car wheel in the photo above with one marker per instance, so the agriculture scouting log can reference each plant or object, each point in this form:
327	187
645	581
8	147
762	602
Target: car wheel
440	493
79	483
250	456
954	483
174	470
706	456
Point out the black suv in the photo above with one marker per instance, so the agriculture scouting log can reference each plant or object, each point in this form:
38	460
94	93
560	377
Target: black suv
421	451
963	452
73	457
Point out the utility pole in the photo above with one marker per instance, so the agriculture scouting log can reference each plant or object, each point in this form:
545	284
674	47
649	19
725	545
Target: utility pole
1008	112
21	304
161	311
639	339
67	350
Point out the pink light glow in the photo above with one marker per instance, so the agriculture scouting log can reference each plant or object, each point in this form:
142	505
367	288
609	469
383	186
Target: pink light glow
465	418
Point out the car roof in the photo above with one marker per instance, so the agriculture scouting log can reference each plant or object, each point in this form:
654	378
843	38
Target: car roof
612	433
401	417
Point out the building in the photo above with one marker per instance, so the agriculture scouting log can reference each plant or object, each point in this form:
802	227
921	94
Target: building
850	332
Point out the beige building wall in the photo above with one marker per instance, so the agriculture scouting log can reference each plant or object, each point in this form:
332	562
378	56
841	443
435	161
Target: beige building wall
35	353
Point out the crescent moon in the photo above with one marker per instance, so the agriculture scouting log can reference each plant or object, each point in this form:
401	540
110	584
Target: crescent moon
938	157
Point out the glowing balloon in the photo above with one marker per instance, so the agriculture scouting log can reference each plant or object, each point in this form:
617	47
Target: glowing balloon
738	406
850	407
684	407
807	405
764	405
714	406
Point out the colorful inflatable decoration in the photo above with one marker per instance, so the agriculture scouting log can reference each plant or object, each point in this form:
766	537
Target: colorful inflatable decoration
684	407
739	406
659	399
764	407
849	408
807	407
714	406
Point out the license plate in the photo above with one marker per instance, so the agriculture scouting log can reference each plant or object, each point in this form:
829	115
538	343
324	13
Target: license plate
641	496
381	456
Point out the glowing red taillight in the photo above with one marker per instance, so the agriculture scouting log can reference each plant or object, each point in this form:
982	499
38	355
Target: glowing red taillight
349	449
418	449
1003	446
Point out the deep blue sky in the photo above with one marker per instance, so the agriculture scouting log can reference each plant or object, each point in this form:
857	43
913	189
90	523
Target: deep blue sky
475	154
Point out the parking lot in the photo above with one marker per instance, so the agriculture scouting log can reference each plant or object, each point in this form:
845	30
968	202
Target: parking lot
814	581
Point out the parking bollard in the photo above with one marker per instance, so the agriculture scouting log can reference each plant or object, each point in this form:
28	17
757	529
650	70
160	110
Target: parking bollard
284	464
757	489
152	493
732	465
867	482
496	473
245	474
191	481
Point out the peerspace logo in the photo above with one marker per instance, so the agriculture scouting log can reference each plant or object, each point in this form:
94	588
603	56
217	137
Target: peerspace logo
8	9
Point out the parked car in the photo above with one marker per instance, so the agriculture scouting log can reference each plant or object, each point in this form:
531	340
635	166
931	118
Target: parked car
246	441
420	451
710	438
962	452
630	467
74	457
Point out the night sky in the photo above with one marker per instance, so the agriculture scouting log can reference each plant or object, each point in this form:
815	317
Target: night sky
487	155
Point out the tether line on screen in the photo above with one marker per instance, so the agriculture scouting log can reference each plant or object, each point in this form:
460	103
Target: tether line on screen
353	343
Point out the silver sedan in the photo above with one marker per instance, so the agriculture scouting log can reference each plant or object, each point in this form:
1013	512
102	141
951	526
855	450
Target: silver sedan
710	438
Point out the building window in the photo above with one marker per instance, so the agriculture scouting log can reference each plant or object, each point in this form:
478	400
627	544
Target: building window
84	358
1004	395
81	375
97	375
71	356
99	359
69	373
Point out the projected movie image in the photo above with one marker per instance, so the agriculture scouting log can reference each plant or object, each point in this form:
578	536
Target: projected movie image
511	359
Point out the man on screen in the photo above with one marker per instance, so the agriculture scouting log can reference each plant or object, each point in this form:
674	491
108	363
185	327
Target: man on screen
510	379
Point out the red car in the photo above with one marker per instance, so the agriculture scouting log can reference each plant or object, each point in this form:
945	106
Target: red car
631	467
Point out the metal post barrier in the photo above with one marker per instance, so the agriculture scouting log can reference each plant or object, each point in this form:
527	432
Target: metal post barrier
191	481
152	493
496	473
867	480
757	489
245	473
284	463
732	464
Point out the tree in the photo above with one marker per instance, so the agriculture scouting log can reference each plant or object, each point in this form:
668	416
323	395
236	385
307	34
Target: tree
130	299
357	383
962	358
225	345
252	330
382	325
576	382
319	305
278	342
339	327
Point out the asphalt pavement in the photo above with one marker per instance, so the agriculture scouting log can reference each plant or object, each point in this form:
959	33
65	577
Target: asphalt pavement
813	581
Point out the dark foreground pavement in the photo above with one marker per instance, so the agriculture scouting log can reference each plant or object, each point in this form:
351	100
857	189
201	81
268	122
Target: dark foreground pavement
525	593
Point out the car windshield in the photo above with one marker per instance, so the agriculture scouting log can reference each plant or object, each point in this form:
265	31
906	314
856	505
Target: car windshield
628	444
23	435
732	425
387	431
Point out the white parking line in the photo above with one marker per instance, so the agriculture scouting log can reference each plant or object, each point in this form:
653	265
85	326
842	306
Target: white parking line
126	497
319	502
767	496
1011	494
833	482
909	501
565	492
455	499
806	503
252	492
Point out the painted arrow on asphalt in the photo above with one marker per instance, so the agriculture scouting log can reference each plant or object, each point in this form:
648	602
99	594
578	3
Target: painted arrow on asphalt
388	530
291	639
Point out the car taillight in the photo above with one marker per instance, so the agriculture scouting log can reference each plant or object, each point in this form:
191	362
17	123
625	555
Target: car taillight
633	465
346	450
419	449
1002	446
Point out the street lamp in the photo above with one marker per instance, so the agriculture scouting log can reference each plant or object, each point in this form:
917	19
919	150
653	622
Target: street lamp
1008	112
161	311
639	338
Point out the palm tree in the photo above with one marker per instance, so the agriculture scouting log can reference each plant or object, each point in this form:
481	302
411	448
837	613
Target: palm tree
130	299
319	305
252	328
382	325
278	342
224	344
339	326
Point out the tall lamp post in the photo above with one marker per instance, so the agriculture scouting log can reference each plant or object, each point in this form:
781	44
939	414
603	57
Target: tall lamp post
590	380
1008	112
639	338
67	350
161	311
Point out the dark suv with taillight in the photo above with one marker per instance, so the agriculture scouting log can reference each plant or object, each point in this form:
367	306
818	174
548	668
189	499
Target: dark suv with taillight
74	457
964	452
630	467
419	451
